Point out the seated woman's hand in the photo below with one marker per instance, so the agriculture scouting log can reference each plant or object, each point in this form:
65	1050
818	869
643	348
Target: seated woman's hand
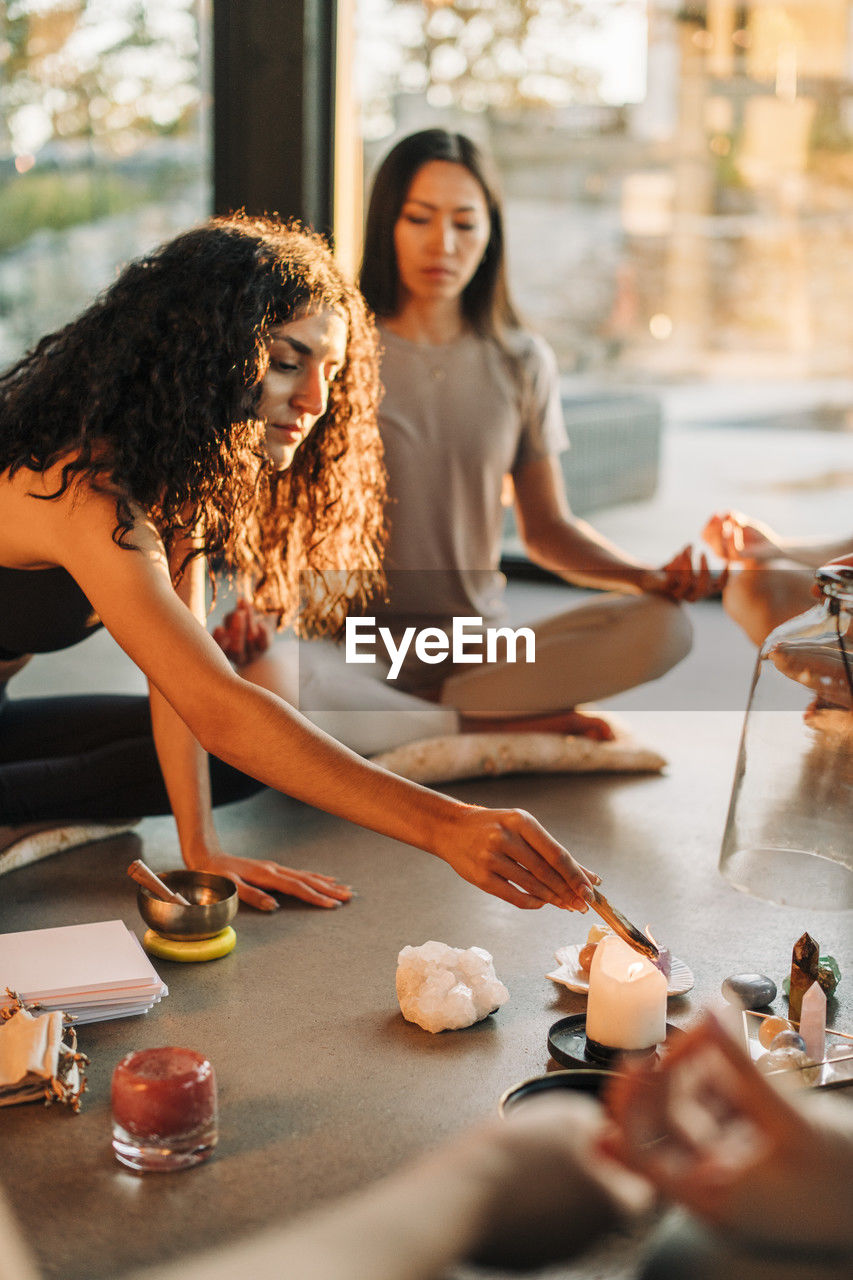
733	536
243	634
682	578
509	854
253	876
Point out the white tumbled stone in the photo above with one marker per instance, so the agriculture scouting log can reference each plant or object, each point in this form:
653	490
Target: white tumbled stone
442	988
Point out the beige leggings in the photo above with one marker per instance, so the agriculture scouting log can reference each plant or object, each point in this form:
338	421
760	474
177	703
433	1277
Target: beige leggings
599	648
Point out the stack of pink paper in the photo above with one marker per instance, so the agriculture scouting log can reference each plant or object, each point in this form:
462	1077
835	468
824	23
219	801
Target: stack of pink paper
93	971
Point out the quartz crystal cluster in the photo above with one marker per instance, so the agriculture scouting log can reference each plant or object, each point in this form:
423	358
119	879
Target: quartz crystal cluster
442	988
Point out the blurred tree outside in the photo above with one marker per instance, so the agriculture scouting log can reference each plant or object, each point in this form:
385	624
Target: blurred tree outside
102	106
481	55
677	175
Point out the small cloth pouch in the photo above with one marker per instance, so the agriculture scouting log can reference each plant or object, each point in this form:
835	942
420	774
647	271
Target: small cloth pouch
39	1061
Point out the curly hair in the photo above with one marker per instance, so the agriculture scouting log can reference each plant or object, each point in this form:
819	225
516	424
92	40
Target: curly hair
151	395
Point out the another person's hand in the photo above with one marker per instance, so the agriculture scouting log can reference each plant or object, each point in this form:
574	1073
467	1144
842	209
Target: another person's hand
819	667
547	1190
710	1132
253	876
845	561
243	635
733	536
683	579
509	854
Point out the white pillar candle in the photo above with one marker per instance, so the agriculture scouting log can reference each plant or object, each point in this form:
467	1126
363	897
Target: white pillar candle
627	998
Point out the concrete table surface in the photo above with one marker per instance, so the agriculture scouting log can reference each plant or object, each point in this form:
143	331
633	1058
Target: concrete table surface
323	1085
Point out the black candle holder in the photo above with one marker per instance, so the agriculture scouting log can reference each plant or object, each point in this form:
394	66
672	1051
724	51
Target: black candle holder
569	1045
605	1055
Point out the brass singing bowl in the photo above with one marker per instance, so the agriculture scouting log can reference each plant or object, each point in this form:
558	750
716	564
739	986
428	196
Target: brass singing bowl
213	905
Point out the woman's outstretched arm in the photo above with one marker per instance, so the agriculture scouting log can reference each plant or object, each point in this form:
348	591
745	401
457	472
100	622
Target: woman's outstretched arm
505	852
184	764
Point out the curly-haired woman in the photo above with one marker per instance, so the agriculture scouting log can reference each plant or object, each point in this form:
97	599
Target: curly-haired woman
217	402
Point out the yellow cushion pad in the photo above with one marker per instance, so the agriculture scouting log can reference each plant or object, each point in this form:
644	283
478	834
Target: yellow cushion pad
189	952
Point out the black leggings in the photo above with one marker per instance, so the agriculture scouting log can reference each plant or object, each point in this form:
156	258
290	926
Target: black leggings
91	757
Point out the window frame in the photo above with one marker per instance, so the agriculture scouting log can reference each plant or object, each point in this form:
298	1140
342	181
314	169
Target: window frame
280	160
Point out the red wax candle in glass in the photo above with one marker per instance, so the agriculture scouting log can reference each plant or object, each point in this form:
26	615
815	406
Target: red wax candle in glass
164	1109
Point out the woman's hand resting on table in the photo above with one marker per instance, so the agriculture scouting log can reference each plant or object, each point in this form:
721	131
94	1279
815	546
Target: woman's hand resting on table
253	876
682	579
243	634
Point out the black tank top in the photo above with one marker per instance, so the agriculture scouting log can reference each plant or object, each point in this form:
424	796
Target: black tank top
42	610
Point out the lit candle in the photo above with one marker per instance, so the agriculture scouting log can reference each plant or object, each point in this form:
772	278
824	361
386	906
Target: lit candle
164	1109
627	998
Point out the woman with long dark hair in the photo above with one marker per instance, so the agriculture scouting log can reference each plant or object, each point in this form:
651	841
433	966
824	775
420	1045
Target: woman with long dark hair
218	402
470	399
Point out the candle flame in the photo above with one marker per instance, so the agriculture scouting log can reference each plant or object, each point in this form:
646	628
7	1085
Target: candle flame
635	970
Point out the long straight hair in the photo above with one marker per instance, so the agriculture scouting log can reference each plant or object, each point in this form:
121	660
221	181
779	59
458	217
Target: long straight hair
486	302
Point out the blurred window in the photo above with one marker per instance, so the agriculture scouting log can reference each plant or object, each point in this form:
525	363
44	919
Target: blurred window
678	178
104	147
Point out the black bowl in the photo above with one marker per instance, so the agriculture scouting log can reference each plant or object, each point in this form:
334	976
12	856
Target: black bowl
577	1080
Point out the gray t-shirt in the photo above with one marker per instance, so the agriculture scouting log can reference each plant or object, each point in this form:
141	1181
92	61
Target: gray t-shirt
454	422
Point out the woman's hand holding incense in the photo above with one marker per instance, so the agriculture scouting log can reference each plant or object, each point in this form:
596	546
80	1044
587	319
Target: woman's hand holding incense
511	855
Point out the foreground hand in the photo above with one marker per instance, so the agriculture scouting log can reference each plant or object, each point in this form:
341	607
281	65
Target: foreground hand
253	875
711	1133
681	579
243	635
547	1189
733	536
509	854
